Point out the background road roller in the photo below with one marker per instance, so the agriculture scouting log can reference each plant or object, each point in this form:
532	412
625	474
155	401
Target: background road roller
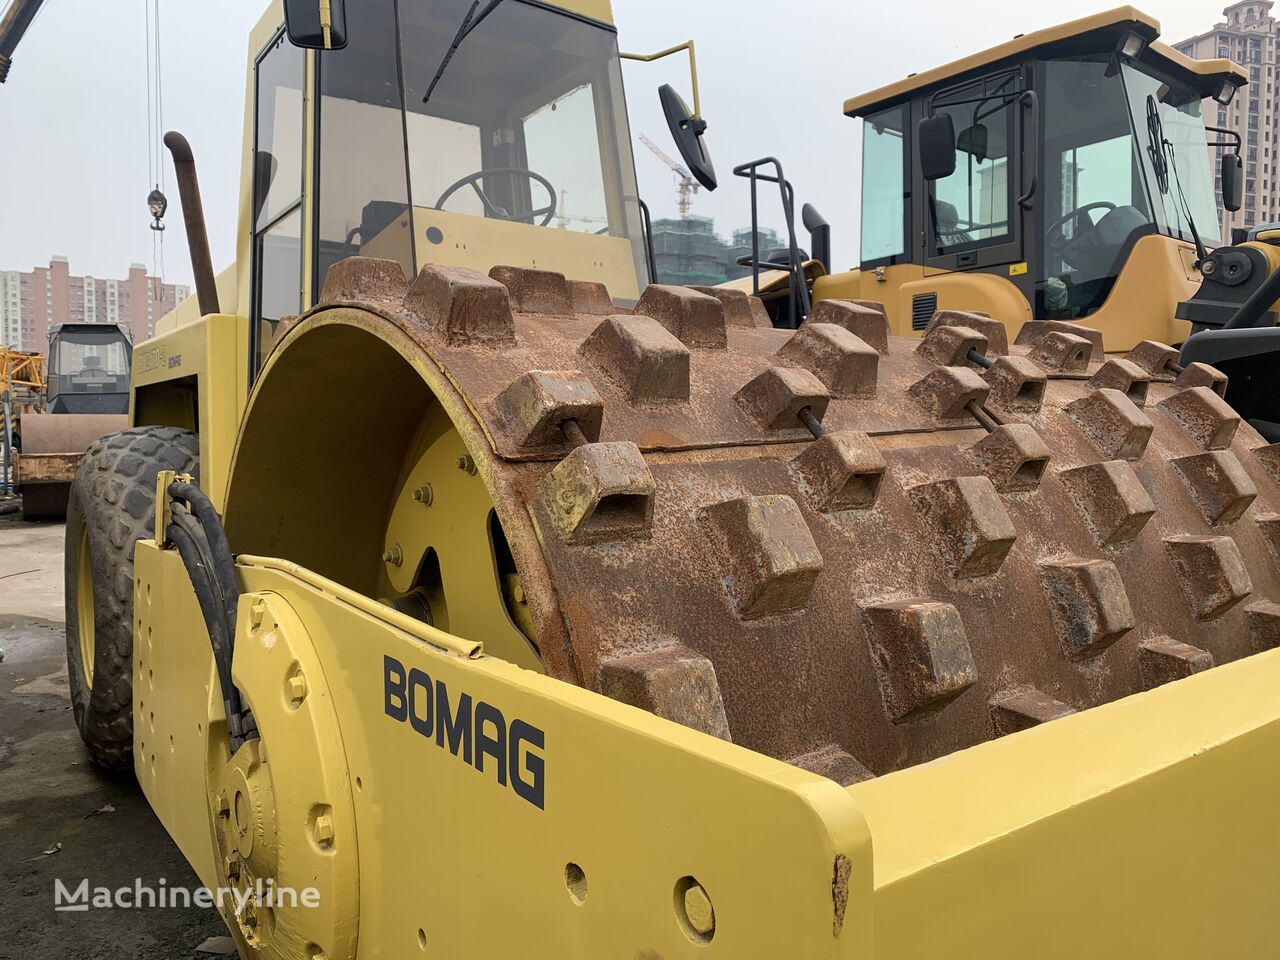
519	607
85	396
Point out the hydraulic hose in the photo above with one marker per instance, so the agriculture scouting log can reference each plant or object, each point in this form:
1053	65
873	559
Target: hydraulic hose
224	564
209	597
206	555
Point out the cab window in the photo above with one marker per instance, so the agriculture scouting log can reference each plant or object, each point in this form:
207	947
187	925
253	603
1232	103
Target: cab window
884	195
363	194
277	190
1095	201
970	208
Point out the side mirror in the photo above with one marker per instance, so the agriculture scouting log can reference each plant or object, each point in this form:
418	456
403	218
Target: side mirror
1232	182
687	133
310	28
936	136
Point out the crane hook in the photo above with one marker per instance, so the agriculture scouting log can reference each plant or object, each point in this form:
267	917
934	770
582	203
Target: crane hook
157	203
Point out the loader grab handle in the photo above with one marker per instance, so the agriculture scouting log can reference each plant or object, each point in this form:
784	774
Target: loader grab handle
1030	134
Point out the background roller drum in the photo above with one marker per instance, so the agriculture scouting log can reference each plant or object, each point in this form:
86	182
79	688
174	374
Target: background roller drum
111	506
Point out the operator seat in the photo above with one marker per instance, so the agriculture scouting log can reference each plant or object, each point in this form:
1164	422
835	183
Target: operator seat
946	224
1096	253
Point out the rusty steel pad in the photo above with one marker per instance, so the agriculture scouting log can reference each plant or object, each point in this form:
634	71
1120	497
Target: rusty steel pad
905	586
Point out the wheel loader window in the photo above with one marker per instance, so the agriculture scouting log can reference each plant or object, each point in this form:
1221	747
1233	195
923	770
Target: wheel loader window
884	196
970	208
1094	200
1184	195
1124	156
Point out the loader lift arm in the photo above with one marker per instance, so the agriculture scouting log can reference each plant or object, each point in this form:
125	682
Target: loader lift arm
13	26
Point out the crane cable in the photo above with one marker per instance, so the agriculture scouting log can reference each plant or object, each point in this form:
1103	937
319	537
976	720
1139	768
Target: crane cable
157	203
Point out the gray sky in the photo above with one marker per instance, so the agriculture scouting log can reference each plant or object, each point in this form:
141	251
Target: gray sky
73	115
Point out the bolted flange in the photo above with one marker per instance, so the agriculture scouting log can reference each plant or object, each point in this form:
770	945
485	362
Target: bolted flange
263	842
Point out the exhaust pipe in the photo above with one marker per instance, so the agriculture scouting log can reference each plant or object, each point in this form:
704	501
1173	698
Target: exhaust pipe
193	216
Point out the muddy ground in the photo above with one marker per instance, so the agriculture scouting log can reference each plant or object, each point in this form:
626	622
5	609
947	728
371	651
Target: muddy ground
50	792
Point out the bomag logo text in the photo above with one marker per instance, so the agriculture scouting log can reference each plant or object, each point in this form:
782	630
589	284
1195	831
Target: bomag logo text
149	360
476	733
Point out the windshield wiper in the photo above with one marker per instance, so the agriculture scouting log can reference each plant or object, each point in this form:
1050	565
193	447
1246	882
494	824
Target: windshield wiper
1201	253
469	23
1164	162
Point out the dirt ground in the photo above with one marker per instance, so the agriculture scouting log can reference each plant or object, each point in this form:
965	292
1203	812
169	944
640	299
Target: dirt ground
50	792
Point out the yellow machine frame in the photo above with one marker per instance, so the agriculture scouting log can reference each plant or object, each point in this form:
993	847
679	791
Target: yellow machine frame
911	864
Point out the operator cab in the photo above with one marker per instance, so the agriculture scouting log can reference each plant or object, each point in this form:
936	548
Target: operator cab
1044	162
1124	157
512	139
88	371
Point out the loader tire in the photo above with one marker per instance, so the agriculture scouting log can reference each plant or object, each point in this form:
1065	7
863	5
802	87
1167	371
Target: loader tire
111	506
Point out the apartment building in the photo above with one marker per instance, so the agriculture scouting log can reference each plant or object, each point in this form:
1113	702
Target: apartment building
32	302
1248	34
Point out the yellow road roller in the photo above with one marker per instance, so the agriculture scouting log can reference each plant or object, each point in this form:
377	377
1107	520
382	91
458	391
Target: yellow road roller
459	592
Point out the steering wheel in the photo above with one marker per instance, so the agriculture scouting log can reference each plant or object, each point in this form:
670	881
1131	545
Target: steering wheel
491	209
1053	238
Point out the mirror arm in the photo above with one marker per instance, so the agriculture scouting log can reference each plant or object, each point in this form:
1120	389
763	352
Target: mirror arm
693	69
326	23
1235	141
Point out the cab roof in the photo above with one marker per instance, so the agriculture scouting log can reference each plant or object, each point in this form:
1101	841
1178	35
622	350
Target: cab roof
1096	33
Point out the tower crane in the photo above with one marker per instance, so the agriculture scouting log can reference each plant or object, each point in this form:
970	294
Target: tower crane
688	186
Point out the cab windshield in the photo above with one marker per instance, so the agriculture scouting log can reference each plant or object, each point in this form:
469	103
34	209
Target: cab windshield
89	360
1124	156
520	155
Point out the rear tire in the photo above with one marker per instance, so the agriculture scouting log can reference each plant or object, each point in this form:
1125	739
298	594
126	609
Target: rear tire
111	506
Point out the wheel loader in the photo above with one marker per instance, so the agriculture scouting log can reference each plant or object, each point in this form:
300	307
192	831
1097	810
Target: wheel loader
1065	177
507	604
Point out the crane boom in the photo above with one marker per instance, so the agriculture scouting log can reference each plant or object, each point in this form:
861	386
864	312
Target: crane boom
688	186
677	167
13	25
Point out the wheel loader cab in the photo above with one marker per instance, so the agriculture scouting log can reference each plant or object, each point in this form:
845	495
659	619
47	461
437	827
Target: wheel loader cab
512	150
1081	183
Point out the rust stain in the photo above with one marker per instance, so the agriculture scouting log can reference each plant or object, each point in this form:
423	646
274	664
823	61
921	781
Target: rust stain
1125	529
840	891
